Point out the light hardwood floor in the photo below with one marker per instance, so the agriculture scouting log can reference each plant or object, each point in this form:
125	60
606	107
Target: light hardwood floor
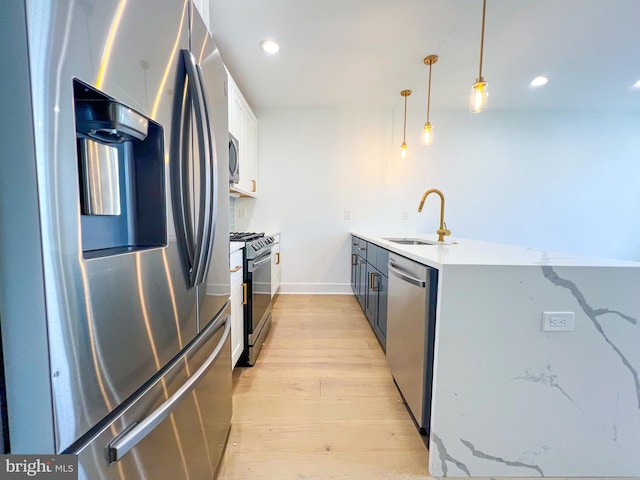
320	403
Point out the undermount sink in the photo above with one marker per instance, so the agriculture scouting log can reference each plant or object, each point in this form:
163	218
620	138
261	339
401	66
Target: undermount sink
411	241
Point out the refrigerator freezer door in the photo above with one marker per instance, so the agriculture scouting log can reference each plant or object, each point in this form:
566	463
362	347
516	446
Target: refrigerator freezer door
189	440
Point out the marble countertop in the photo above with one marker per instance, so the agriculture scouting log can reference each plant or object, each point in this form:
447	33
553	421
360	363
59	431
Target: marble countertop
460	251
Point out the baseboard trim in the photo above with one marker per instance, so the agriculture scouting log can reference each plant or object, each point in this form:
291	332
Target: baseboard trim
316	289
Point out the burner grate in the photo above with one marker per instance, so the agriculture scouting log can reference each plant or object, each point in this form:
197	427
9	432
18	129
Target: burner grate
244	236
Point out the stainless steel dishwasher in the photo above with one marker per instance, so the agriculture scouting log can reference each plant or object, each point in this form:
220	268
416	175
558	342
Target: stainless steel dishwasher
411	332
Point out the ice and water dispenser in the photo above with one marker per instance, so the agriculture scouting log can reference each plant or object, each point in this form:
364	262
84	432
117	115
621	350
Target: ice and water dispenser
122	175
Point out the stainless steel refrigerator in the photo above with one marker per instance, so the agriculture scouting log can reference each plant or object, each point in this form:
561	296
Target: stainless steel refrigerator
114	263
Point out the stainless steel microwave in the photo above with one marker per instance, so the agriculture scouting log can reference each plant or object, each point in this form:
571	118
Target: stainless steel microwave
234	165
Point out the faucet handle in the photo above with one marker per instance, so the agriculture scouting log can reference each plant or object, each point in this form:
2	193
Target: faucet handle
446	231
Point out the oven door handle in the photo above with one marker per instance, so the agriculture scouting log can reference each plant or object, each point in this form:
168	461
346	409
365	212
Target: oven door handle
255	264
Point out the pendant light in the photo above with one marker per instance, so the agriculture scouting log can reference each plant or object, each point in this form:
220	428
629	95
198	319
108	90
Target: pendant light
427	132
479	93
403	151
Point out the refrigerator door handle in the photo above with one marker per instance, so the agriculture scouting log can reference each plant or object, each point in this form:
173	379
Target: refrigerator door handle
180	184
202	125
137	432
211	184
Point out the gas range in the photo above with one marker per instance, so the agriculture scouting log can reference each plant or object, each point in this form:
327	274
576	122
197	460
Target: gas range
255	243
257	293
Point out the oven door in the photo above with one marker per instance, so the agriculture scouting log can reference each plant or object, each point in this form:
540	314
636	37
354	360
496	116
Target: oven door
260	292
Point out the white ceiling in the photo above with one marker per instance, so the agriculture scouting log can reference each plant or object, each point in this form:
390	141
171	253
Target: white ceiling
362	53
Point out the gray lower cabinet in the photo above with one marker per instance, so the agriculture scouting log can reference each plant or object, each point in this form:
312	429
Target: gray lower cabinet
369	282
359	269
355	271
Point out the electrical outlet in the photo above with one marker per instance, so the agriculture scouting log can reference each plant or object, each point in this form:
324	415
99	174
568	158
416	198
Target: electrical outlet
347	214
557	321
405	215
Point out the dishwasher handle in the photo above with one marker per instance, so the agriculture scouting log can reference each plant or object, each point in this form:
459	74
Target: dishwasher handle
404	276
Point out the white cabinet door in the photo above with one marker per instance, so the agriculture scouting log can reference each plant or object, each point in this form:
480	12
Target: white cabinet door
244	126
237	307
236	110
276	271
250	133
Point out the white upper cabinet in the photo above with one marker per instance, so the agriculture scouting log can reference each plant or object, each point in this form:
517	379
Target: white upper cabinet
244	126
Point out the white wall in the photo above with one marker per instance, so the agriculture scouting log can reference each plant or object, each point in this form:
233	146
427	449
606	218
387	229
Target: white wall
559	181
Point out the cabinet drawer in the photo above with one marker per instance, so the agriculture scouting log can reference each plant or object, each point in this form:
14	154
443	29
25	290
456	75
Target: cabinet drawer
378	257
372	253
235	261
382	259
360	247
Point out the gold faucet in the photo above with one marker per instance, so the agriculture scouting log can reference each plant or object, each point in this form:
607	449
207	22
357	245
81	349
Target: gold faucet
442	231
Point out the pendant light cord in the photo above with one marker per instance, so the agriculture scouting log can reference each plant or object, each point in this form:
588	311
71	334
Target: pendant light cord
404	129
429	94
484	9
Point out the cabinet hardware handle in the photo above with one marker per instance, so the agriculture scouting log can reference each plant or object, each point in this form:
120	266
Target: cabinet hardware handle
277	258
354	259
236	269
244	294
372	281
254	186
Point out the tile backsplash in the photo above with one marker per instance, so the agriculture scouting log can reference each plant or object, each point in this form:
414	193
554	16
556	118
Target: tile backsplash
232	214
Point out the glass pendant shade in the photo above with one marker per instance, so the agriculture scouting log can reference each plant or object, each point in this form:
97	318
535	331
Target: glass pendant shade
478	98
427	134
403	150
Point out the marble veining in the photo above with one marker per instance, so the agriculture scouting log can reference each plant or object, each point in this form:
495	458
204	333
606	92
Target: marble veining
604	311
548	378
593	315
445	457
511	463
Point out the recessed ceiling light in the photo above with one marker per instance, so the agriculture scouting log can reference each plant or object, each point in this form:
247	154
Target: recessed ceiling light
539	81
636	85
269	46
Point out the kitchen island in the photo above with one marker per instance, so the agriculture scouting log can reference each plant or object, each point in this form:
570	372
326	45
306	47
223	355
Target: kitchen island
510	399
